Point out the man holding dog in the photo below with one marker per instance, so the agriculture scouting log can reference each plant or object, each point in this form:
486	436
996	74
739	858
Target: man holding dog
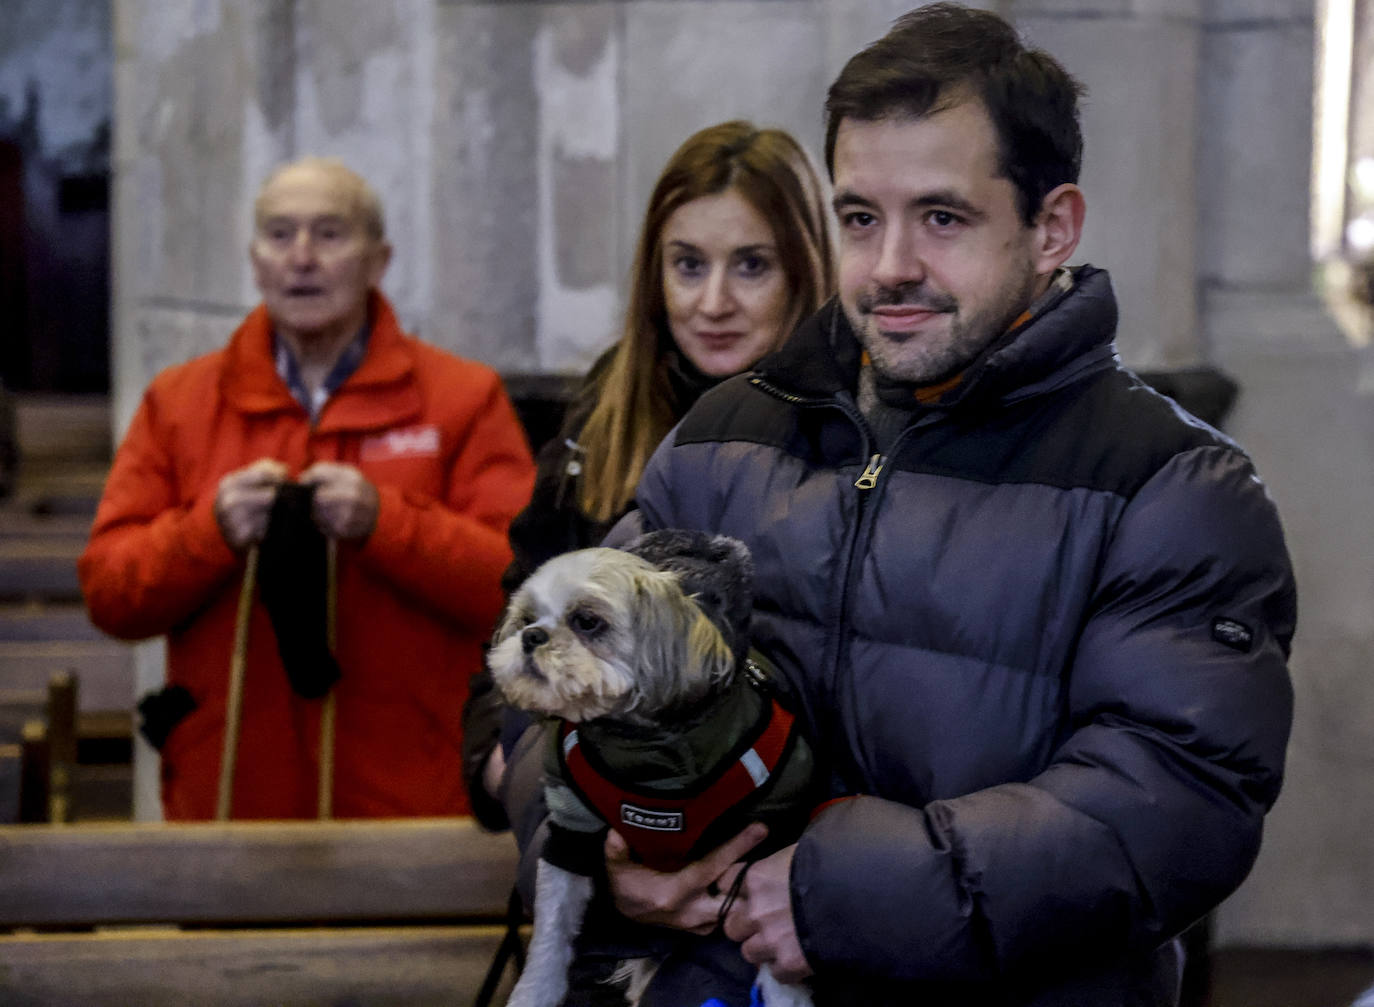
412	462
1036	615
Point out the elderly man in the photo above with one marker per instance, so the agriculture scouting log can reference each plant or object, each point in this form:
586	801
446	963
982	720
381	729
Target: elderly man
1035	615
415	464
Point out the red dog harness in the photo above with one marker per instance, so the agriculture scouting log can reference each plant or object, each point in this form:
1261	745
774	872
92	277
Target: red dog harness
663	828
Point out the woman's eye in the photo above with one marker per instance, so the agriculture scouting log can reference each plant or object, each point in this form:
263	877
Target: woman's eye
858	219
943	218
688	265
586	623
754	265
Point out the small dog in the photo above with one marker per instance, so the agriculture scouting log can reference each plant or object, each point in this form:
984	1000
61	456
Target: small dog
636	654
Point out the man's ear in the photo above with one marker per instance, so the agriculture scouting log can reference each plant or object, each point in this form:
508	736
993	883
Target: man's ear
255	262
381	258
1058	227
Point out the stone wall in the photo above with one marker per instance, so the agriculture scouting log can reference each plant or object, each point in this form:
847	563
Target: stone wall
514	144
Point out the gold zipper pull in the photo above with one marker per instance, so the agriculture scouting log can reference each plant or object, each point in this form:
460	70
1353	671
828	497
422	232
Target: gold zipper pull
869	478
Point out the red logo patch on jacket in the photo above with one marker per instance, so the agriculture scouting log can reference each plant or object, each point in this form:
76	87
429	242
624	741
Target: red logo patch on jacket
407	442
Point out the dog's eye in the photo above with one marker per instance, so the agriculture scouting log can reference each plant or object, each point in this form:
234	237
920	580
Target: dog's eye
586	623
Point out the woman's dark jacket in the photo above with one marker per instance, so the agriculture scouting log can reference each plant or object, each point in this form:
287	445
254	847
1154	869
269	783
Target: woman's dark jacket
1045	643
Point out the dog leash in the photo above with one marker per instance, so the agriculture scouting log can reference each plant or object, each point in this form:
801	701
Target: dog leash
510	948
735	887
233	714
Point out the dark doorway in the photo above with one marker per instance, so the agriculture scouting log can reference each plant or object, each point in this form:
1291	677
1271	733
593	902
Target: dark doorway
54	260
13	348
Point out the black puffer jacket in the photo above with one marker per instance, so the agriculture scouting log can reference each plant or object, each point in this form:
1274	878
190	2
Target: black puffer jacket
1047	643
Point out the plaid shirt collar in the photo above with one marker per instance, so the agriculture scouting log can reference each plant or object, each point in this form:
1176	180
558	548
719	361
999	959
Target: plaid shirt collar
289	370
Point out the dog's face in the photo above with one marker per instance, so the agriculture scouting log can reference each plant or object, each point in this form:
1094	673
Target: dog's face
603	633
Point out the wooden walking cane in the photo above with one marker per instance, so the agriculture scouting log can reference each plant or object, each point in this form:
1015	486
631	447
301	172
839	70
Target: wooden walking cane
233	711
233	715
331	631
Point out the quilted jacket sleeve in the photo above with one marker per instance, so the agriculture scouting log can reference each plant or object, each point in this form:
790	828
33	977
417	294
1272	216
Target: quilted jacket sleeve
450	553
152	560
1178	712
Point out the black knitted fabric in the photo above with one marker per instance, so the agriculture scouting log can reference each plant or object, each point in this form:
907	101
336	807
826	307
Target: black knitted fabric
292	575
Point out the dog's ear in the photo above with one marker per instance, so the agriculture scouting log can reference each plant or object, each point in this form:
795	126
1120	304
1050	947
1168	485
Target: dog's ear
513	618
680	653
709	657
716	569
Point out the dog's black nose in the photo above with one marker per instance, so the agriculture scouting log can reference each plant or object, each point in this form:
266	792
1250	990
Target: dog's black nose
532	637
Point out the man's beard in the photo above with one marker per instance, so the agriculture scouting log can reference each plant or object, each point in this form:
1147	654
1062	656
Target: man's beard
928	358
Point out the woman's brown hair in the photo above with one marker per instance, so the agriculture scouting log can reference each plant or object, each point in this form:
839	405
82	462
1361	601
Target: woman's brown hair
634	407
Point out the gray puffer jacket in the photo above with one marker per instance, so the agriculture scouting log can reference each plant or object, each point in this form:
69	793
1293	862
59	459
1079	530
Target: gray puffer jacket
1045	641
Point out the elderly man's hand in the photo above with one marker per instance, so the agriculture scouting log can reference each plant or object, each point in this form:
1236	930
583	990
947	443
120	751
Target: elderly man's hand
689	899
345	502
761	919
243	501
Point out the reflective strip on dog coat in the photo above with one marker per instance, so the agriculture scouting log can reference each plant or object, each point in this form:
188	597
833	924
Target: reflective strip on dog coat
663	828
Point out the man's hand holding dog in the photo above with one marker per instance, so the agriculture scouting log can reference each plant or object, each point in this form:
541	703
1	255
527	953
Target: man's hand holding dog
689	899
761	919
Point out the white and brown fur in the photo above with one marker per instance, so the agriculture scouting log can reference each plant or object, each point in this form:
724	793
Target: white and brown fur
602	633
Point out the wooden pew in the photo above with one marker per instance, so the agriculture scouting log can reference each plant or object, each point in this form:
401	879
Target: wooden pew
105	669
364	912
75	764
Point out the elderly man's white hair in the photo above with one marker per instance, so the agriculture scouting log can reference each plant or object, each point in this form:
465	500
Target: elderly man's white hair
367	208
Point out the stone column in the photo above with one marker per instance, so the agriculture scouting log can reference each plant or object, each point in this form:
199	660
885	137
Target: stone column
362	89
1309	429
529	151
1138	60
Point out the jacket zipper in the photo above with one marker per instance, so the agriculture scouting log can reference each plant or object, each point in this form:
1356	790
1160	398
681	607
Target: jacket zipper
867	481
851	769
797	400
869	477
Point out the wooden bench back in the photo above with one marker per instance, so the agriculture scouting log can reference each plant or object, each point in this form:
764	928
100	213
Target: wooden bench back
289	913
253	873
433	966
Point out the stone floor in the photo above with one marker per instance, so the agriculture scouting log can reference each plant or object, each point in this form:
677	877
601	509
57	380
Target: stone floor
1268	977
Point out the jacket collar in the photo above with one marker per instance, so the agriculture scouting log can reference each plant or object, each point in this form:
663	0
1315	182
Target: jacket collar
1071	334
379	394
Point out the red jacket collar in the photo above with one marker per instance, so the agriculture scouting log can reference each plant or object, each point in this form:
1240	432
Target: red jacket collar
250	382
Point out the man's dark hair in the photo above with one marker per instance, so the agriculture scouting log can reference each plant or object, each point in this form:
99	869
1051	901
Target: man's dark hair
935	55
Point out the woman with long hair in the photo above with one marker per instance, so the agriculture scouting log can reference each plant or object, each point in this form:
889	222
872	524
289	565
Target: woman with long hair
733	253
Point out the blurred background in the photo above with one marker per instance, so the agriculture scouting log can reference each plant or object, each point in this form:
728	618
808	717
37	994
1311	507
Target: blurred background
1229	172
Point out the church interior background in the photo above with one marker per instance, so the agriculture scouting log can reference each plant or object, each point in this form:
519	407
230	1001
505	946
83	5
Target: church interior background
1230	182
